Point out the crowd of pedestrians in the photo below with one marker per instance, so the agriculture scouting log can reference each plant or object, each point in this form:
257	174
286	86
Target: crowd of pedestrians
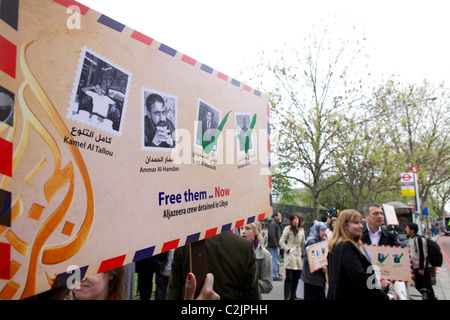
240	266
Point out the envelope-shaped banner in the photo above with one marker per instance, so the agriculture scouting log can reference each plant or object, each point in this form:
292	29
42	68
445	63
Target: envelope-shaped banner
116	147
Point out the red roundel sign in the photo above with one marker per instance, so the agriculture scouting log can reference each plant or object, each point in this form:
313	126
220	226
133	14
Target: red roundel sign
407	177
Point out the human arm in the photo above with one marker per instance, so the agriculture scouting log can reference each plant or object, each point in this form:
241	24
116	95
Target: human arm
265	274
87	88
302	239
283	240
421	255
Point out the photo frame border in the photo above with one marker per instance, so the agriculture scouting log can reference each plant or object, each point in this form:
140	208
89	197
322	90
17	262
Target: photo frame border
145	90
215	150
76	84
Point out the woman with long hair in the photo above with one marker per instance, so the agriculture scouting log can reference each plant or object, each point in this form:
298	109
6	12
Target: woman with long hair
351	275
252	232
292	241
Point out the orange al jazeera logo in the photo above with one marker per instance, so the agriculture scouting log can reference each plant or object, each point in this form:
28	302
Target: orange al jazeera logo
45	185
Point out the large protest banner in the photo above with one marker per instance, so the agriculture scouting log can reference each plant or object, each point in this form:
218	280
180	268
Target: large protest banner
115	147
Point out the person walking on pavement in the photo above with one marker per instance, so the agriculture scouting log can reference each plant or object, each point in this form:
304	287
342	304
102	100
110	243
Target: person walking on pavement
372	232
274	235
419	253
292	241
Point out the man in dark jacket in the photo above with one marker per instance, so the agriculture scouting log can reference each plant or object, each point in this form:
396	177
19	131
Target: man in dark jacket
231	260
274	235
372	232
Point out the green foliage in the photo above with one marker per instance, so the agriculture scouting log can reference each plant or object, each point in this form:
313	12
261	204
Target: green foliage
346	140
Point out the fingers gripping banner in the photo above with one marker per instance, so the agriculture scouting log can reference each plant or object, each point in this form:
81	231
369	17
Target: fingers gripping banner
115	147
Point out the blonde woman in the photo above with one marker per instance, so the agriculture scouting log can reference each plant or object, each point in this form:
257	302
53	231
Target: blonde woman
252	232
350	272
292	241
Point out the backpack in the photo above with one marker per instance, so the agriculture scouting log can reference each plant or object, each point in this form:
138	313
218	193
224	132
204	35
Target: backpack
434	253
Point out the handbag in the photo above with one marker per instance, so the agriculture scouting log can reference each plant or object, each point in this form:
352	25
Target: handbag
300	293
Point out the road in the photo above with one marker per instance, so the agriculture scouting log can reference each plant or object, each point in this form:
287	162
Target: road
444	243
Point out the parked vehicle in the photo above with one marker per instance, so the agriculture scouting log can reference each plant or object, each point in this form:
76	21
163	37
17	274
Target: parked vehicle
446	221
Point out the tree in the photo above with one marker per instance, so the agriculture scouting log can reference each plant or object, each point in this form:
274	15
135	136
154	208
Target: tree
365	156
431	139
311	89
418	118
337	195
439	196
366	162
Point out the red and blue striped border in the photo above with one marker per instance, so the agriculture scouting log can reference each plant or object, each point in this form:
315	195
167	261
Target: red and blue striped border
9	13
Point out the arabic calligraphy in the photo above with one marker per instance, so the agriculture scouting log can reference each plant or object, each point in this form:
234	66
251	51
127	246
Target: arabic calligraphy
39	113
149	159
90	134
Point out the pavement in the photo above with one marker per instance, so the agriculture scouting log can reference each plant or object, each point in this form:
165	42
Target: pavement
441	288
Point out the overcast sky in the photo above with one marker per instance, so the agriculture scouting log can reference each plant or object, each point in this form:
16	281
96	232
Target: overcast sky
409	38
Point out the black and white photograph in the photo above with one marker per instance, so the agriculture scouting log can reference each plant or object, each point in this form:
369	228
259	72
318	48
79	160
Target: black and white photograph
100	93
159	120
243	121
208	120
6	106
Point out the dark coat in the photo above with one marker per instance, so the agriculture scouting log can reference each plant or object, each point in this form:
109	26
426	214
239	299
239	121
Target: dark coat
230	258
387	238
316	278
274	233
348	275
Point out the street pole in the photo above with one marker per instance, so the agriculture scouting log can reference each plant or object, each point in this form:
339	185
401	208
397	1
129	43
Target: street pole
416	187
416	193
